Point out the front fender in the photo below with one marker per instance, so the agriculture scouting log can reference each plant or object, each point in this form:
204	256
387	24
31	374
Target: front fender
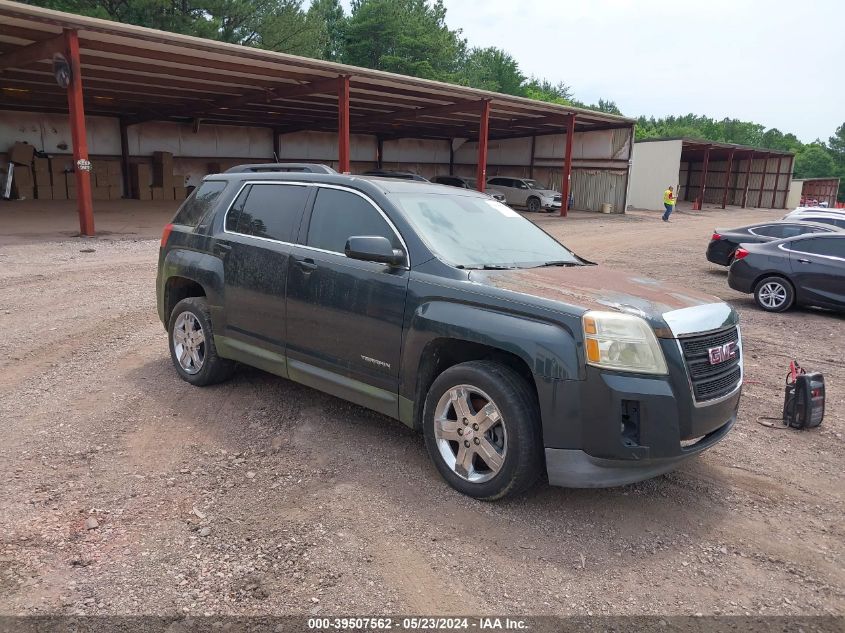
549	349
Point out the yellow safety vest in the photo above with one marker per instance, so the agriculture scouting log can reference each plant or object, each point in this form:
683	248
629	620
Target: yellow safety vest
667	198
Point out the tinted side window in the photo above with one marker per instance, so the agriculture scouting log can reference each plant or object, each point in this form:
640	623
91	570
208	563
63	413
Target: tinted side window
199	202
272	211
235	212
502	182
830	246
784	230
824	221
338	215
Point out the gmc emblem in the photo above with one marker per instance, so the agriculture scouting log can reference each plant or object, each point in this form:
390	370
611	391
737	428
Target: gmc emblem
722	353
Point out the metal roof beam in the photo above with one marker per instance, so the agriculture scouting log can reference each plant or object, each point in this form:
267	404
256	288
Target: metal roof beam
33	53
267	96
415	113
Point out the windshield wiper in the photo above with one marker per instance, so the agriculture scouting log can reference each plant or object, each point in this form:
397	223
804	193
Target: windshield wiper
486	267
561	263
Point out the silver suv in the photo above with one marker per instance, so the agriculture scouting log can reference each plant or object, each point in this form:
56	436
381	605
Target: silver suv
526	192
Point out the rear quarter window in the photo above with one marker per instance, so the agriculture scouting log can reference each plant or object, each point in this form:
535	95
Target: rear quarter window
200	202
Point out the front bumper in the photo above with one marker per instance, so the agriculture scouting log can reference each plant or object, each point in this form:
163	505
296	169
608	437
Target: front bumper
551	206
614	428
573	468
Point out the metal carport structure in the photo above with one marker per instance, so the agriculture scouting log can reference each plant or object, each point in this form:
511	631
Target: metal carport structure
726	173
710	172
139	75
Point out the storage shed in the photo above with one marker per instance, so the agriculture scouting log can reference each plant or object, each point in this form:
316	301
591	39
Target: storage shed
709	173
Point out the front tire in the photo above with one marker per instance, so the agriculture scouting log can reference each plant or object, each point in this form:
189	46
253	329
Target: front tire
774	294
481	424
192	348
533	205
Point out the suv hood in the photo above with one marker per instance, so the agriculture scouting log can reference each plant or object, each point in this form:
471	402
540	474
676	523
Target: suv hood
548	193
599	288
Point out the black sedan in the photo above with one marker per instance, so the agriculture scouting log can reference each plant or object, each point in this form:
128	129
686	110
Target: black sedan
808	270
724	242
467	183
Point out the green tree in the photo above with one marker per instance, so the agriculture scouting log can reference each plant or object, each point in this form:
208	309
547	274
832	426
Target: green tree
544	90
836	144
278	25
331	13
775	139
179	16
492	69
403	36
814	161
609	107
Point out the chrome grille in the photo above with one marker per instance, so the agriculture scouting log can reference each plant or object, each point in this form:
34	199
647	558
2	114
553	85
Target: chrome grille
710	382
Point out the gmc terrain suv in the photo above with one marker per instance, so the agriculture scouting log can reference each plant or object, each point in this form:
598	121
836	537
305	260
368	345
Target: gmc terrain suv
450	312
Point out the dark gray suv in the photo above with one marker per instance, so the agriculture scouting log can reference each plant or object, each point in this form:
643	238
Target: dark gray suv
452	313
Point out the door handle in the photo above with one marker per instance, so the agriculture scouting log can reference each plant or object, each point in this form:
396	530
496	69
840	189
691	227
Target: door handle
804	261
307	265
222	249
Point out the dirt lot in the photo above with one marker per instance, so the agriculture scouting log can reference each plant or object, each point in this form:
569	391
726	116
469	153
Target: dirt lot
127	491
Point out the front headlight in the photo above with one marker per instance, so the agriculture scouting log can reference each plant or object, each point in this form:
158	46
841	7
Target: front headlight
622	341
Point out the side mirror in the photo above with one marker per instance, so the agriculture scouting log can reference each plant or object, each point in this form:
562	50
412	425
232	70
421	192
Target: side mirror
373	248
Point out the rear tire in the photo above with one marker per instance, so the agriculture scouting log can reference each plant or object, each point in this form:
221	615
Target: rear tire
533	204
481	424
192	348
774	294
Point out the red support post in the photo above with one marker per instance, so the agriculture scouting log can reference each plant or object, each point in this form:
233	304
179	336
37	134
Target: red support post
567	166
343	124
747	179
483	131
763	180
78	133
727	178
702	188
777	182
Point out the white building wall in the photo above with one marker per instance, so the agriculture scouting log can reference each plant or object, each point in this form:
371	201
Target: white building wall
598	157
51	132
656	165
322	147
793	199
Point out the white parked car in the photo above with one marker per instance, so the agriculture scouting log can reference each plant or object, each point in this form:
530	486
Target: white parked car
525	192
836	217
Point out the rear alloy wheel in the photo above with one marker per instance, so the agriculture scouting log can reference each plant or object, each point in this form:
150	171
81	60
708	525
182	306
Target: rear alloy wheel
774	294
192	348
533	205
482	429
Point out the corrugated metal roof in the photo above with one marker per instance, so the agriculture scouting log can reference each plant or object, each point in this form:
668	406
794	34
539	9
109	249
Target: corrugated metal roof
697	143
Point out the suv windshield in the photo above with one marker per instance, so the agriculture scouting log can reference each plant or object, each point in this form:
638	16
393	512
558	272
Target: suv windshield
471	232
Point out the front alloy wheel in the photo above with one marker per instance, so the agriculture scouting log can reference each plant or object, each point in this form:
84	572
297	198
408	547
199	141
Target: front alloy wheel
471	434
481	423
533	205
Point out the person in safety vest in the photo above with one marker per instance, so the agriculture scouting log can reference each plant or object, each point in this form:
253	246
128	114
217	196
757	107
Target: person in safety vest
668	202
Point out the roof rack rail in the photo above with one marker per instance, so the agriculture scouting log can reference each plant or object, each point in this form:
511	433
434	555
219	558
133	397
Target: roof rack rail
309	168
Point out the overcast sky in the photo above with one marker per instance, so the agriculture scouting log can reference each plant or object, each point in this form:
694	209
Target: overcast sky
775	62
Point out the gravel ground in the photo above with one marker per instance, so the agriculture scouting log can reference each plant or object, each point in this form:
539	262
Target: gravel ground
127	491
